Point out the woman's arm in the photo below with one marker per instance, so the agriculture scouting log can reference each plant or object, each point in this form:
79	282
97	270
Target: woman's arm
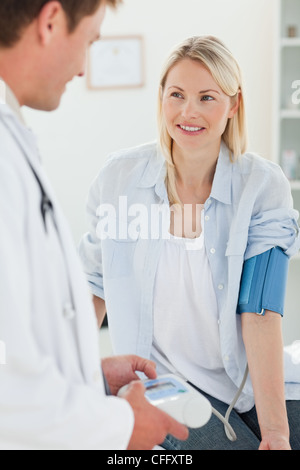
264	347
100	309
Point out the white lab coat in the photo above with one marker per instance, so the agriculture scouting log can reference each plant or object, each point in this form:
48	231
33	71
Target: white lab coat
51	388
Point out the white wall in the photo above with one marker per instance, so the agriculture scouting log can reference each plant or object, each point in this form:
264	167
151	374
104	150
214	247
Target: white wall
76	139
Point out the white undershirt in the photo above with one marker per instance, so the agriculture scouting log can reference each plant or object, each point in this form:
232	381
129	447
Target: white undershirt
186	328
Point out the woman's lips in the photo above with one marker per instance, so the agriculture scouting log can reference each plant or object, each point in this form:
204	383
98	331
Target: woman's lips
190	130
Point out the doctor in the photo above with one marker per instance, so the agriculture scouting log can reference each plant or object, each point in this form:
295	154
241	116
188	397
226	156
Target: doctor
52	393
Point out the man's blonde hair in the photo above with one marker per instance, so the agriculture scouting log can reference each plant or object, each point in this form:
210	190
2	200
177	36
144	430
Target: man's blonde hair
218	60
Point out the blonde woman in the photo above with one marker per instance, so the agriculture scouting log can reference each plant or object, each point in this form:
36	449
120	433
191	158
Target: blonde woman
173	226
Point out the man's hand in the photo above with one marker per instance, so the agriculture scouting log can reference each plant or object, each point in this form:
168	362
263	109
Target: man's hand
121	370
151	424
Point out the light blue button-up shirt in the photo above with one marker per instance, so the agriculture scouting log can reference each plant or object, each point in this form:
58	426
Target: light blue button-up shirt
249	211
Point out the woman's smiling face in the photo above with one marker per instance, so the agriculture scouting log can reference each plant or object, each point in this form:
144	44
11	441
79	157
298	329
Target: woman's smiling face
195	108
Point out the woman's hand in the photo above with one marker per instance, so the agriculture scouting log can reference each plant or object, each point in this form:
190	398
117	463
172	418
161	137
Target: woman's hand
274	441
121	370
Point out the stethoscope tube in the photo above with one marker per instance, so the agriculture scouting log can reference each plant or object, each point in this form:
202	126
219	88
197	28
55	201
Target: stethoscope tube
46	204
46	208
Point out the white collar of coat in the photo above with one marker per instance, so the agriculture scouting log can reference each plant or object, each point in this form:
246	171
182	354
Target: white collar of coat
12	102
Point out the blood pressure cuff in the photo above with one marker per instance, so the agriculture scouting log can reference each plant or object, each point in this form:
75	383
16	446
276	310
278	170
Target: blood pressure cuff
263	283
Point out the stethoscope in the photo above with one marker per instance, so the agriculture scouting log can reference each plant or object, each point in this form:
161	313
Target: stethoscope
46	205
47	209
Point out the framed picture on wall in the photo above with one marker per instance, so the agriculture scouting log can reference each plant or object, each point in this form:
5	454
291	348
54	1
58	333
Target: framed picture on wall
116	62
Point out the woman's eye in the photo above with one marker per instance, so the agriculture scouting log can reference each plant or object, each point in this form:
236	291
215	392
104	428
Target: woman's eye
176	94
207	98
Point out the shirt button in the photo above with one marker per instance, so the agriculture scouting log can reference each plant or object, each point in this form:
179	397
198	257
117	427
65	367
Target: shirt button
220	286
206	218
226	358
212	251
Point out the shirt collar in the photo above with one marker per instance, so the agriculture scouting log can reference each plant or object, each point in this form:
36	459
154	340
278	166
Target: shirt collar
12	102
155	173
221	188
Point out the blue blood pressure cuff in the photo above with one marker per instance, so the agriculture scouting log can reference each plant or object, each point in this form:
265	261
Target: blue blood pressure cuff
263	283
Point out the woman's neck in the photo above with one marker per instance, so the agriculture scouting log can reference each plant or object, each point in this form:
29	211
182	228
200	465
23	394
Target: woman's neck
195	173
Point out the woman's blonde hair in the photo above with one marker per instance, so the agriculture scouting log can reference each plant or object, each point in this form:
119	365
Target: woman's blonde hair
219	61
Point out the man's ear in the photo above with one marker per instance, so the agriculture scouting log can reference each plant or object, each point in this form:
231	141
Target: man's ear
50	21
